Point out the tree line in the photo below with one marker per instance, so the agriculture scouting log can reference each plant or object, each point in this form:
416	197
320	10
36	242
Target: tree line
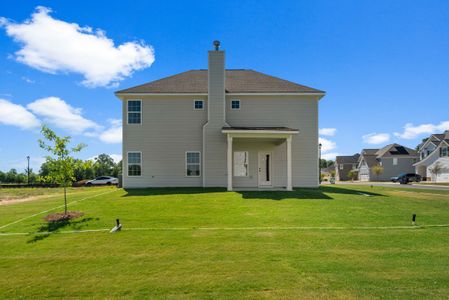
102	165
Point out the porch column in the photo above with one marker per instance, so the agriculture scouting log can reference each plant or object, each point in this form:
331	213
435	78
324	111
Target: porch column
229	163
289	163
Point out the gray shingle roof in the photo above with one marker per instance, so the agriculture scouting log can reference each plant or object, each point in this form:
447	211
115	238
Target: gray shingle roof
237	81
396	150
352	159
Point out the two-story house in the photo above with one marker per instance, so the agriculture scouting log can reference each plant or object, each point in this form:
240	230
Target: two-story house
434	152
394	159
344	165
233	128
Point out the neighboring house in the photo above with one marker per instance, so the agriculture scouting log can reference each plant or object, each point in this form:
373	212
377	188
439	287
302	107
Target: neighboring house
326	172
434	151
343	165
220	128
394	158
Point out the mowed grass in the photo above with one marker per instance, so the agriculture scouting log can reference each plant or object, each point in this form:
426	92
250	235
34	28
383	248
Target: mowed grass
207	243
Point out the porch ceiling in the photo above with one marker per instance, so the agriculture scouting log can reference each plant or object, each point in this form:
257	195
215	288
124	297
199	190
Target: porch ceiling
259	132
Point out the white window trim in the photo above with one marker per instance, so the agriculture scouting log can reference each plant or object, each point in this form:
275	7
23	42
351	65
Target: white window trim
233	164
341	166
127	164
395	161
199	164
127	112
195	100
240	104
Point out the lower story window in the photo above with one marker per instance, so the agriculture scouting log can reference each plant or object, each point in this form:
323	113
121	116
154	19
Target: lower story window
241	163
134	163
193	163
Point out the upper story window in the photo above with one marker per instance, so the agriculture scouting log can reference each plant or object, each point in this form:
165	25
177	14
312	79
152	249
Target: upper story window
198	104
241	163
395	161
193	164
134	111
235	104
341	166
134	163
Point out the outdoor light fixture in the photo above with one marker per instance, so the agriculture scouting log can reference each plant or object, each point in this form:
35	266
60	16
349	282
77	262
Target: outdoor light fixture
217	45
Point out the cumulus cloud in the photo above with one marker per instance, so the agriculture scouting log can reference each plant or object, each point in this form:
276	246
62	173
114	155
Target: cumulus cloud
328	131
16	115
57	112
112	135
54	46
330	155
327	145
376	138
411	131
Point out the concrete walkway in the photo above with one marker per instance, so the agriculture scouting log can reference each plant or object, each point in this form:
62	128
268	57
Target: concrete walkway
397	185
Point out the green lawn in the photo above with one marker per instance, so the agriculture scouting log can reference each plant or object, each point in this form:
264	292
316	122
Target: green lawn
195	243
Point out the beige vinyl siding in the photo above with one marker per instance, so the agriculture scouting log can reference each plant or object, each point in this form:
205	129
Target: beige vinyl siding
170	127
298	112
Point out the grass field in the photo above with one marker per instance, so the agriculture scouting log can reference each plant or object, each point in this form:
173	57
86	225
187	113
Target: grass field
335	242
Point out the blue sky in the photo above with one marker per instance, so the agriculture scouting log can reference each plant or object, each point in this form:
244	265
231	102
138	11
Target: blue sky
384	64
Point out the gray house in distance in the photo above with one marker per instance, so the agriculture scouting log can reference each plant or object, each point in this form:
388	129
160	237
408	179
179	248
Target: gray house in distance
394	158
220	128
344	164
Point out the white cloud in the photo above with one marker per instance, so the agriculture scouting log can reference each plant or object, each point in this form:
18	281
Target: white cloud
327	145
112	135
329	156
53	46
16	115
328	131
412	132
116	157
57	112
27	80
376	138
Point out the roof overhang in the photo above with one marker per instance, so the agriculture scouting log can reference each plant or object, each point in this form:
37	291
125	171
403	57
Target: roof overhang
319	95
259	132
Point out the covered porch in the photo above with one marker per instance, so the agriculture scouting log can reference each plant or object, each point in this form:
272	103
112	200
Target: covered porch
259	158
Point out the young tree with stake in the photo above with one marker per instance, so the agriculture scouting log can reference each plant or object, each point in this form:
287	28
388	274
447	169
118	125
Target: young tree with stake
377	170
60	164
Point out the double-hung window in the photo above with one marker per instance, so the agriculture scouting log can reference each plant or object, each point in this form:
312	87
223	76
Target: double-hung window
395	161
235	104
444	151
134	111
134	163
193	163
241	163
198	104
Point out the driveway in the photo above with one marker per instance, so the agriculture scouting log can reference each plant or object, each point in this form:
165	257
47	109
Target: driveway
397	185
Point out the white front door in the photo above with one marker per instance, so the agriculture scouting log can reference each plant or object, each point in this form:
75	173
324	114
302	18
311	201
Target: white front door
265	173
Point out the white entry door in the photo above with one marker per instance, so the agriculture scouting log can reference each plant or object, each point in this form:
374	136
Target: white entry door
265	173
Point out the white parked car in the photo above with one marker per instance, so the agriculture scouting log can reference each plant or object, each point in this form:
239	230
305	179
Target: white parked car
103	180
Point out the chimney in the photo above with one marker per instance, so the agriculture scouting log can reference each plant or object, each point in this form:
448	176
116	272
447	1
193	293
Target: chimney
214	141
216	84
